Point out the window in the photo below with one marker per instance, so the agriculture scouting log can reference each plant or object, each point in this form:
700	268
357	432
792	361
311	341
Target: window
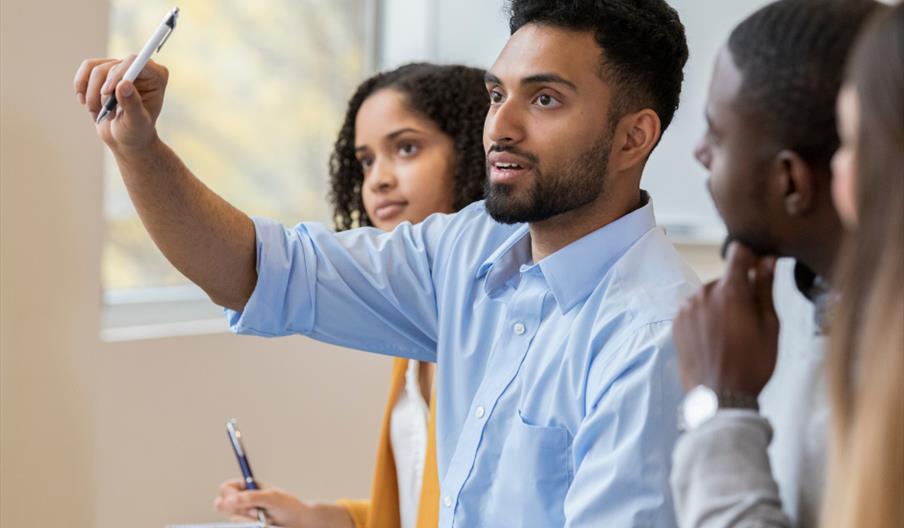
256	96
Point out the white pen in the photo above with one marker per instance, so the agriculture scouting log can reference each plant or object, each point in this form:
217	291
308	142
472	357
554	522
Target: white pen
155	43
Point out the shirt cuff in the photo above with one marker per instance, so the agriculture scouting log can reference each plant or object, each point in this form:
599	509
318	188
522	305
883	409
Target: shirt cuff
282	302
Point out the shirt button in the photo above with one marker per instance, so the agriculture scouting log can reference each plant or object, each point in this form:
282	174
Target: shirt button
479	412
447	500
519	328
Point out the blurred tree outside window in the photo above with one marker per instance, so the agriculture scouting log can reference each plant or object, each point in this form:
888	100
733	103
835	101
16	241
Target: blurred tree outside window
256	95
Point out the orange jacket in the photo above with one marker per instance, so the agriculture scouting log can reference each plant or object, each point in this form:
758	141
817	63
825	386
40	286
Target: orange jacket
382	510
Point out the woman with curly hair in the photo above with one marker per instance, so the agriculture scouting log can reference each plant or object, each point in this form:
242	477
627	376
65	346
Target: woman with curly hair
411	145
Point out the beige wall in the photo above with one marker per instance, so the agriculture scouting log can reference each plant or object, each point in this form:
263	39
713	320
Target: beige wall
131	433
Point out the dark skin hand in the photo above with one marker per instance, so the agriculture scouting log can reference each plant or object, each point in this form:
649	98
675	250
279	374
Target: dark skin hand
727	333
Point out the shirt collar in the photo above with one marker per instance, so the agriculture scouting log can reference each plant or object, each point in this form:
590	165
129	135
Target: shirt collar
819	292
575	270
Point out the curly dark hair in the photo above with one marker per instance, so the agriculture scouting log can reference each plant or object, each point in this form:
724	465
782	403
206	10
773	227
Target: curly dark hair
453	97
643	43
791	55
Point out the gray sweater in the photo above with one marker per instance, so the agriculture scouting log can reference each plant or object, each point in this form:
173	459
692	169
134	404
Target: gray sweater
748	469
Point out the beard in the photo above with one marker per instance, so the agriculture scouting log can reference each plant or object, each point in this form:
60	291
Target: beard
574	184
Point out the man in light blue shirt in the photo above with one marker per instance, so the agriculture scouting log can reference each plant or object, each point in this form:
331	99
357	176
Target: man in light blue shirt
556	380
547	307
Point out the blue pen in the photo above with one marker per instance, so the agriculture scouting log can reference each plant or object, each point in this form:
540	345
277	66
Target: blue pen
235	438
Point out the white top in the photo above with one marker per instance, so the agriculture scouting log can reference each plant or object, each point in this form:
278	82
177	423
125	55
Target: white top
408	437
795	401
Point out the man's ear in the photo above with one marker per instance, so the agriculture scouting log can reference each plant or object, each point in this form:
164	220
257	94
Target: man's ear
635	136
796	182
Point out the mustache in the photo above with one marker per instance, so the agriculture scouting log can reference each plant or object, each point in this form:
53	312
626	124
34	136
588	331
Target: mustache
512	150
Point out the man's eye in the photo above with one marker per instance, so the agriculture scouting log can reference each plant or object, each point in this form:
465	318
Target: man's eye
547	101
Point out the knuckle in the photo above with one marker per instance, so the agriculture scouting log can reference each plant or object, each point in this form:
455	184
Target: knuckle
268	494
96	73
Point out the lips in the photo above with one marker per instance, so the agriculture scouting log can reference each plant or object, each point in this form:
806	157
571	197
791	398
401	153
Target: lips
389	208
506	167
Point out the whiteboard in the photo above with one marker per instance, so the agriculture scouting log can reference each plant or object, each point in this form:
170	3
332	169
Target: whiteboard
474	31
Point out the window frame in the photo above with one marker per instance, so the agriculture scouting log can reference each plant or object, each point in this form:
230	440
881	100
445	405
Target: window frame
151	313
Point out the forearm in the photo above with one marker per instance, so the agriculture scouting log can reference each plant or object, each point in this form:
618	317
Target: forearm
201	234
357	512
331	515
721	474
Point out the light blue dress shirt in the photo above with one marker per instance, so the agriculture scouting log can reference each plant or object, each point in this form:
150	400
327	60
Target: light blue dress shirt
557	385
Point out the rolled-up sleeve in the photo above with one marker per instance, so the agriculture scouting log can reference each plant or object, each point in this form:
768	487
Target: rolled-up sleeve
361	288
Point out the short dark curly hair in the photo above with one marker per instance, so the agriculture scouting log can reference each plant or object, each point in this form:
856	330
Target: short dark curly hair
643	43
791	55
453	97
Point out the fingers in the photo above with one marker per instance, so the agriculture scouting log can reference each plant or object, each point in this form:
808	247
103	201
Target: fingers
740	261
765	275
80	82
247	500
231	486
235	514
115	74
95	79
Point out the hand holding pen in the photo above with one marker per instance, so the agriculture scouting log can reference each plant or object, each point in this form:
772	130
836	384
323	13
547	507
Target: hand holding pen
235	439
246	498
135	84
138	63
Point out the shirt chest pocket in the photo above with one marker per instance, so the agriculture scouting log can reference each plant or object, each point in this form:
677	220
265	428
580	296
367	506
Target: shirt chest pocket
536	465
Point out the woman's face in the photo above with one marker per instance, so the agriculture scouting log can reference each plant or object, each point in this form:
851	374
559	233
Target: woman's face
844	163
408	162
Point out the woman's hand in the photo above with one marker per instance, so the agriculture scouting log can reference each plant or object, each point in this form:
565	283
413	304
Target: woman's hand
282	508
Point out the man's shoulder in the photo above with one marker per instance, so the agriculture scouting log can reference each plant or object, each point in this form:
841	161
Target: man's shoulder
651	279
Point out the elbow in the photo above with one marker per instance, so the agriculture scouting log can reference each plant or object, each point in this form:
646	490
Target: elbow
232	298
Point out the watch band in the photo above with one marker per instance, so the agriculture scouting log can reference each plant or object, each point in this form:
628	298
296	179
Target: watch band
701	403
737	400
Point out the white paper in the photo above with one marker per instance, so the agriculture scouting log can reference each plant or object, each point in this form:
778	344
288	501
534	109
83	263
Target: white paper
217	525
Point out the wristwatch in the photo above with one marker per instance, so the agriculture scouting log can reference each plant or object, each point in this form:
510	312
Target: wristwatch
701	404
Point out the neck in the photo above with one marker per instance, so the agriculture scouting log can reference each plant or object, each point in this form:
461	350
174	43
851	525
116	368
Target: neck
553	234
819	245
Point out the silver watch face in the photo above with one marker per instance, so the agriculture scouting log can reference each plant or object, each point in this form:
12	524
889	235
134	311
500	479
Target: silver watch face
700	404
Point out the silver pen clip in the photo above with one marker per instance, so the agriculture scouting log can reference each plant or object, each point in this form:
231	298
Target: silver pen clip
170	21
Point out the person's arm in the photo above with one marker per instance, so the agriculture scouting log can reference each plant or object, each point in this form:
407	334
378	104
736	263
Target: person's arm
623	446
362	288
727	339
202	235
721	474
282	508
358	510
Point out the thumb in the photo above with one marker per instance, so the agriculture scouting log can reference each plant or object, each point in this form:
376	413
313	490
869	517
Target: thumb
765	276
740	261
133	112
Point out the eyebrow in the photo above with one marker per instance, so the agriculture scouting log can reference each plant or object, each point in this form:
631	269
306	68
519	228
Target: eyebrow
540	78
392	135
